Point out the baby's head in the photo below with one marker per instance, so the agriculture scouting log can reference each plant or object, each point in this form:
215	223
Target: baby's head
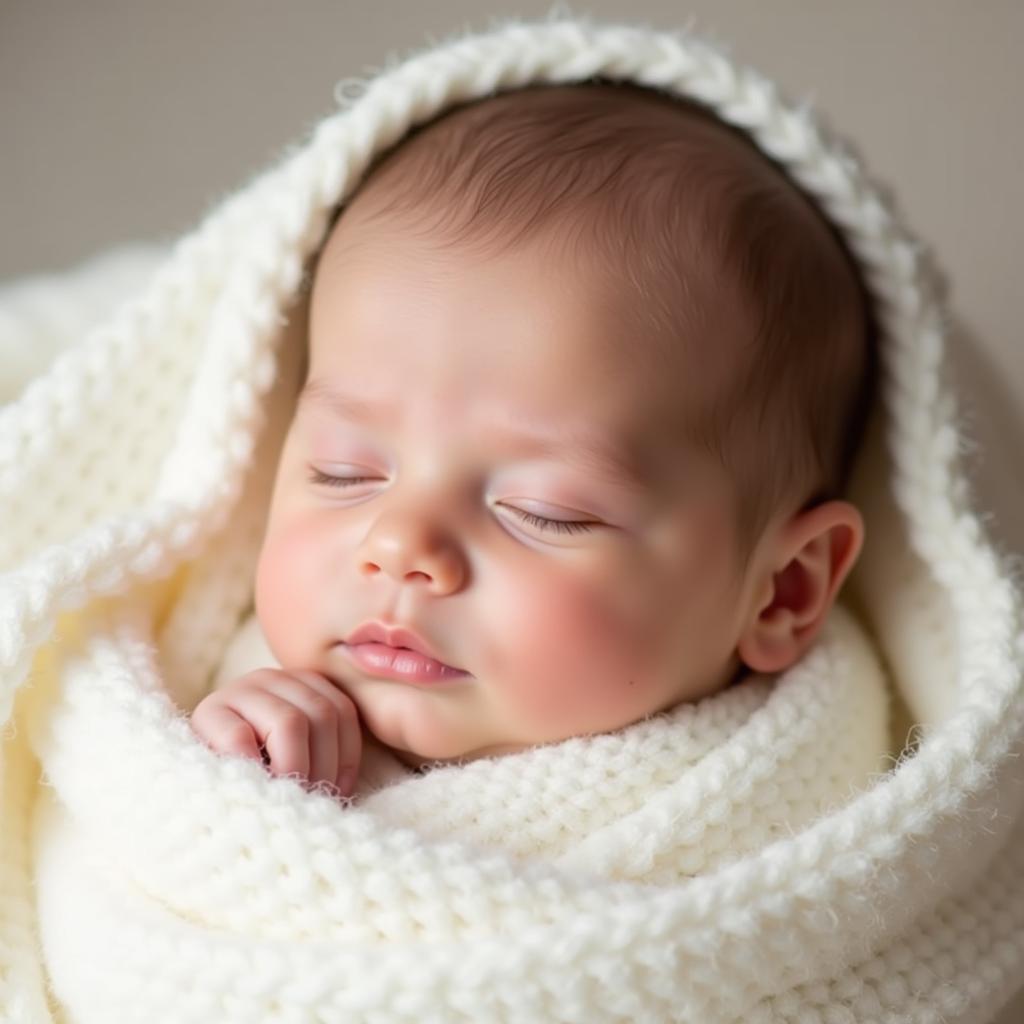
586	374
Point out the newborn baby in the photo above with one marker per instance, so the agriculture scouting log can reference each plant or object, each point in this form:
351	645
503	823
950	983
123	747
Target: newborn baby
586	374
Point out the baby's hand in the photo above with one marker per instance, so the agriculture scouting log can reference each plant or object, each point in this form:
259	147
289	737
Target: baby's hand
295	721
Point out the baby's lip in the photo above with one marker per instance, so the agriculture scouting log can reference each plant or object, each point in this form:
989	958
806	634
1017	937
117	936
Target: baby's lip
394	636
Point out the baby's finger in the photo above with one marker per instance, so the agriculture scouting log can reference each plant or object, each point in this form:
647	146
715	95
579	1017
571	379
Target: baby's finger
224	730
337	739
280	726
350	749
321	703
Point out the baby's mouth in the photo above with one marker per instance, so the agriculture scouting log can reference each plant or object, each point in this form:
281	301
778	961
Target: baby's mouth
393	652
400	663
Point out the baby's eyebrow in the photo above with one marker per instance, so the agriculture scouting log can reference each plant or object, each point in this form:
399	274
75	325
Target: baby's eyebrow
591	451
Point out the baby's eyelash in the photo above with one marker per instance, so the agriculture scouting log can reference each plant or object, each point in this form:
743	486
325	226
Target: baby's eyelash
558	525
318	477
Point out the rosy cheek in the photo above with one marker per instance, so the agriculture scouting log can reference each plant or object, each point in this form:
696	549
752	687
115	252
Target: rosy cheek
576	661
284	586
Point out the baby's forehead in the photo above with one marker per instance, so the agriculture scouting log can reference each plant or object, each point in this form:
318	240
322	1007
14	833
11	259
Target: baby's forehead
562	341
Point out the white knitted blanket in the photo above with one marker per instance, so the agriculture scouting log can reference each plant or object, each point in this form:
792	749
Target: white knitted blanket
221	892
750	858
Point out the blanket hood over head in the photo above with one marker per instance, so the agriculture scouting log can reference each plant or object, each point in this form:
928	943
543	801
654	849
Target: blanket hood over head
143	878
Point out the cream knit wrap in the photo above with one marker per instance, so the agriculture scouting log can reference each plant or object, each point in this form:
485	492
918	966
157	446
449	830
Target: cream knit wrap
751	858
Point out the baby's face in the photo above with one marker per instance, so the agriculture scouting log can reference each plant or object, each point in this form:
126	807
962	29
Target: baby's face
487	454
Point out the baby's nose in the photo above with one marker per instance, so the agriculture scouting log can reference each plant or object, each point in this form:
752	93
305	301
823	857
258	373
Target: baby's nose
414	549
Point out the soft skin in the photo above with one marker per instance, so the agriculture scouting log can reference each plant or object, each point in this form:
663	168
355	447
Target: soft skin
447	395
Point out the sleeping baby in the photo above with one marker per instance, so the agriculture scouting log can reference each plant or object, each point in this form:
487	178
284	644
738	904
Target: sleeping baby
585	378
536	596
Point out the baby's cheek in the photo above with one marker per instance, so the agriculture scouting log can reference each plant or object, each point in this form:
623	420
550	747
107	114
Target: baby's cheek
283	593
580	662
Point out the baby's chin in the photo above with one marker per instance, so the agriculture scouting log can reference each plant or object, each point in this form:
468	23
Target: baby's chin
418	743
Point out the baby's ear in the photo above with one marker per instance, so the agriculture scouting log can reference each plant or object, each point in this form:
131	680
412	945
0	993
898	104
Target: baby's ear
800	575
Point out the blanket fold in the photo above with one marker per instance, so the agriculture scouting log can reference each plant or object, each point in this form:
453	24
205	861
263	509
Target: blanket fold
843	843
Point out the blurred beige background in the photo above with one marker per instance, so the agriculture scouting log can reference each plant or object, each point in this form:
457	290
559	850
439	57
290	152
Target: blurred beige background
123	120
